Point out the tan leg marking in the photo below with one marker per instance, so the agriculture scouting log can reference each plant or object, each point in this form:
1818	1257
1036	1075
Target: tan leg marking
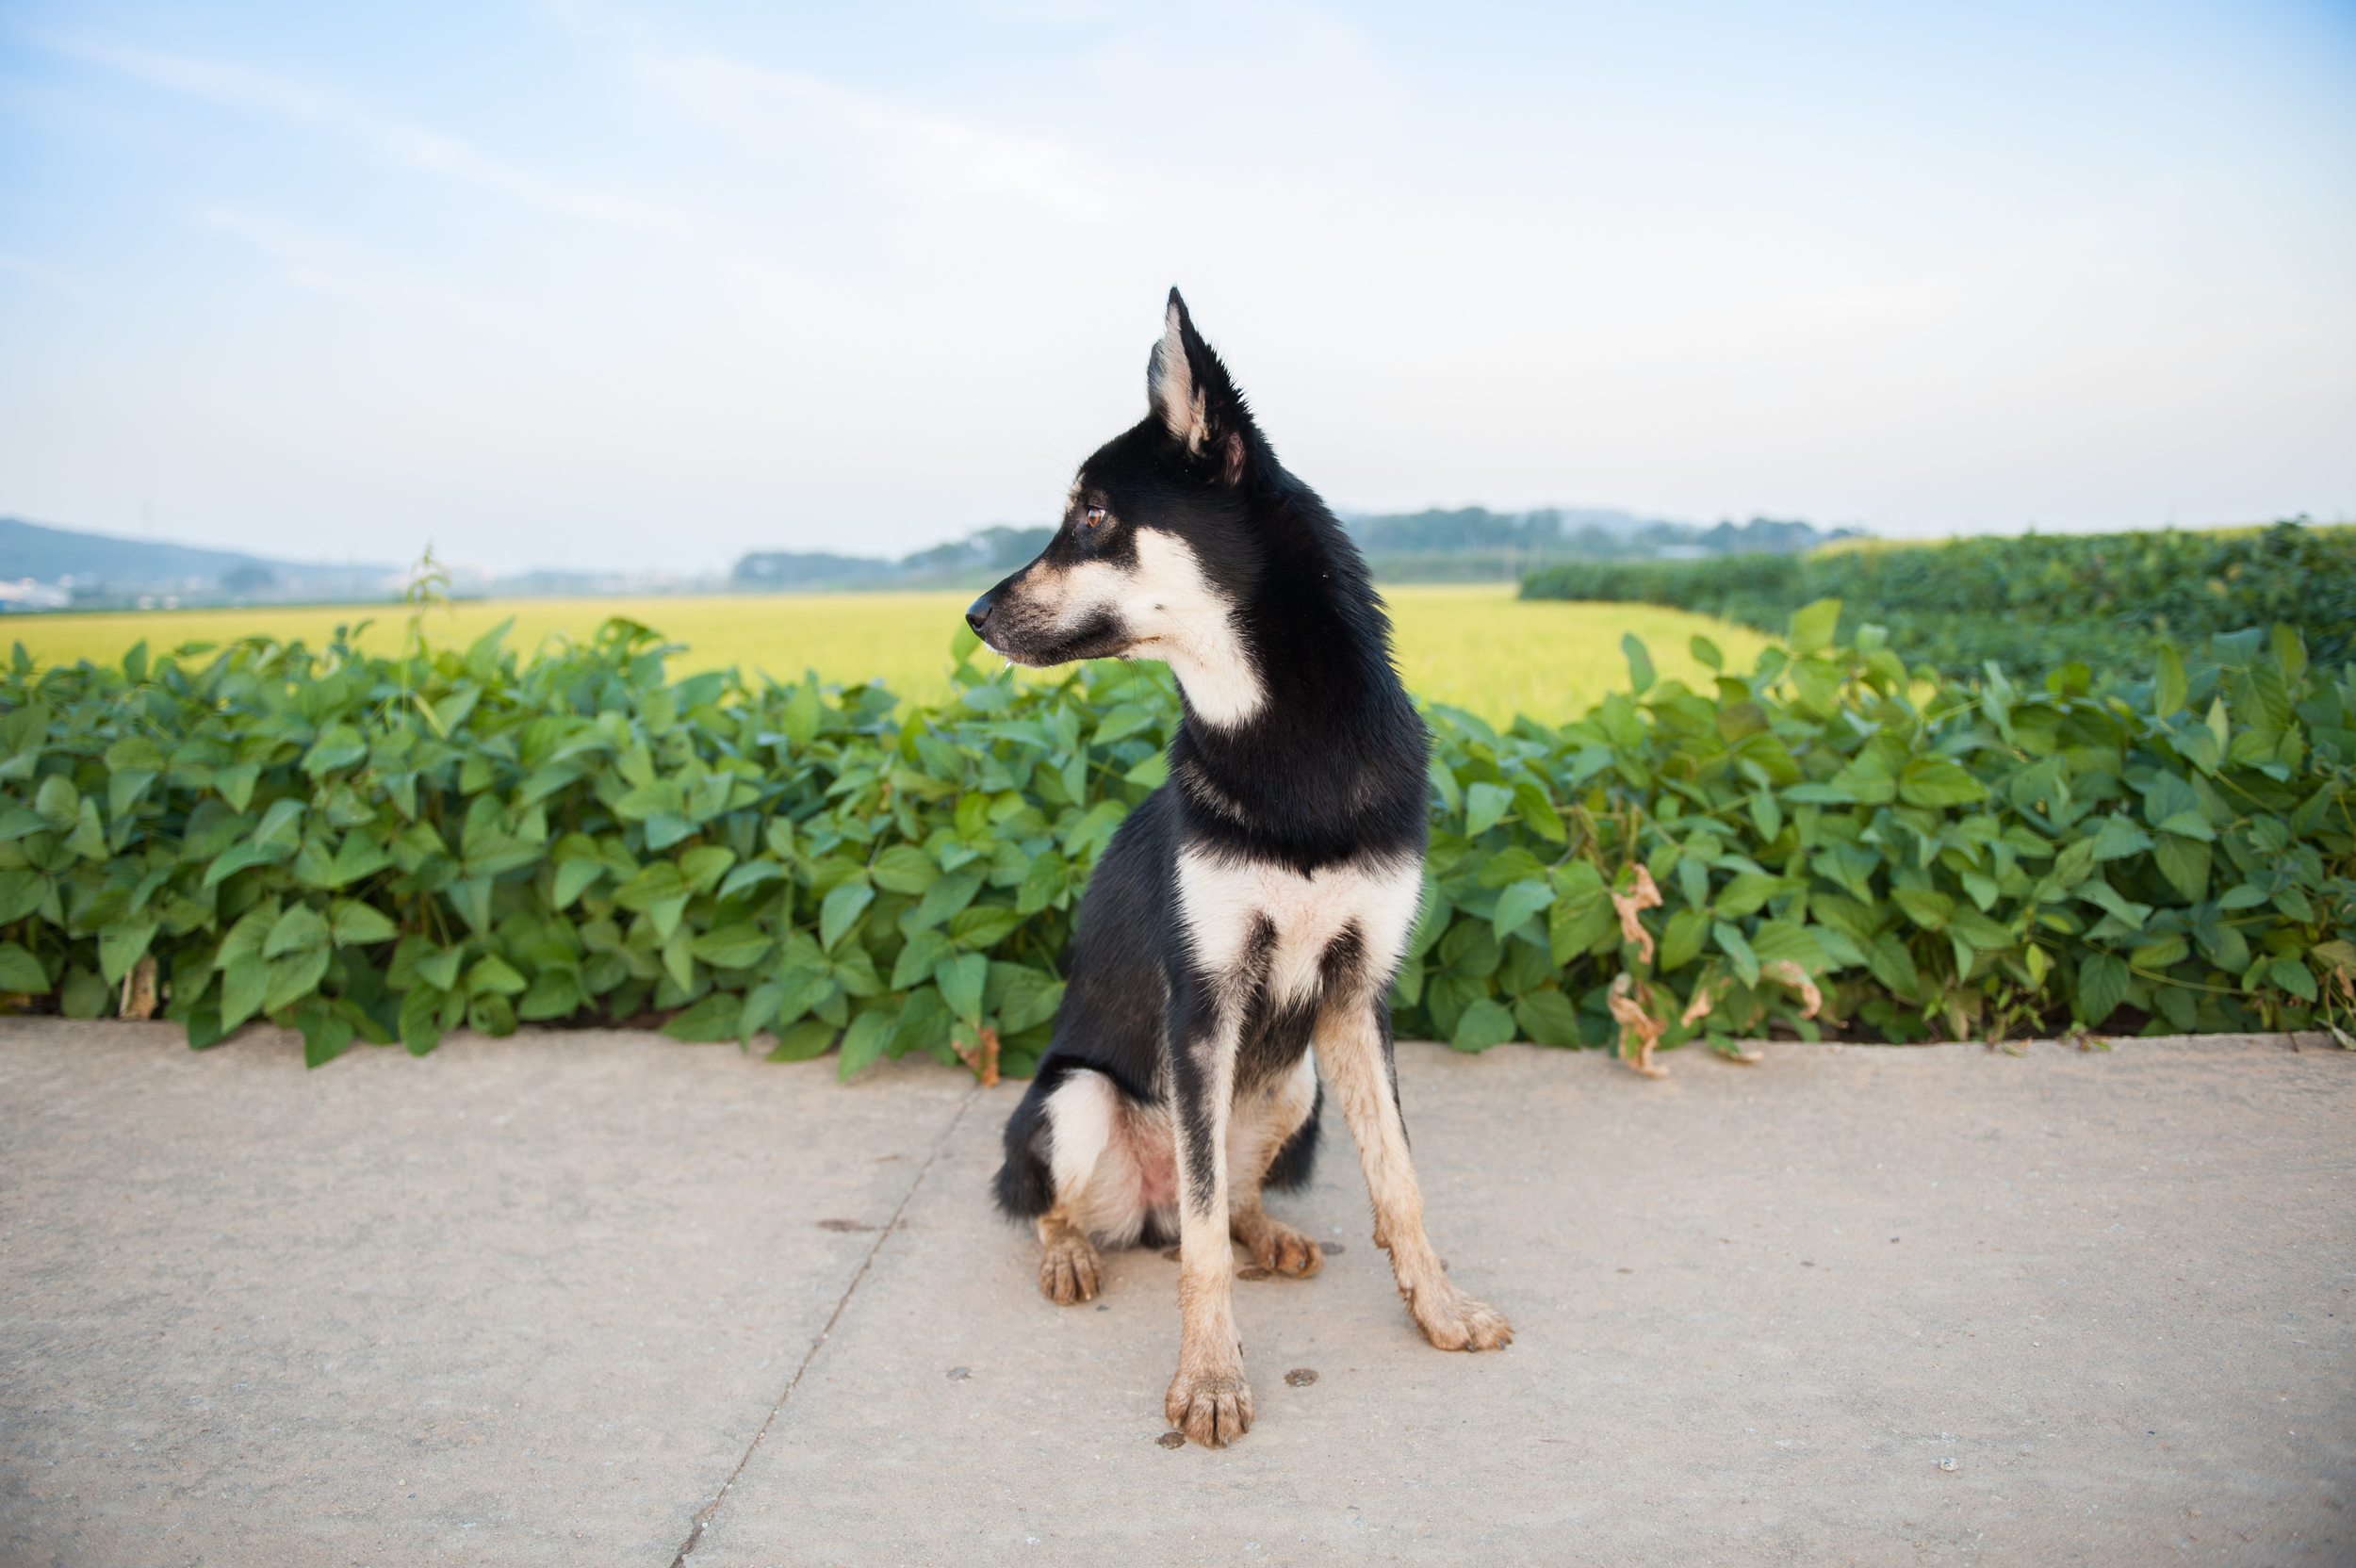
1208	1398
1068	1270
1350	1047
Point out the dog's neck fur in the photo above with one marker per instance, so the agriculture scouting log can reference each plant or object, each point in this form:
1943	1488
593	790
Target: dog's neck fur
1329	767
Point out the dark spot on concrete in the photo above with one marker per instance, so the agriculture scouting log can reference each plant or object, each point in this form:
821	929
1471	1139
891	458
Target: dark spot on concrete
1628	1272
1331	1249
958	1374
1173	1439
844	1225
1302	1377
1251	1271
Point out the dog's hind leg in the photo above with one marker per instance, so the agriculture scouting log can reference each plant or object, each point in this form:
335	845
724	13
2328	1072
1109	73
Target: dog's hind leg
1083	1118
1353	1043
1266	1123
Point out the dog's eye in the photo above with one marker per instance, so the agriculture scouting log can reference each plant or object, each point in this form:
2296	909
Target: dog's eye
1092	519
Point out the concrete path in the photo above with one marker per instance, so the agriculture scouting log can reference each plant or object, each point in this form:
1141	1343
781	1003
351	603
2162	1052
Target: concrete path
602	1298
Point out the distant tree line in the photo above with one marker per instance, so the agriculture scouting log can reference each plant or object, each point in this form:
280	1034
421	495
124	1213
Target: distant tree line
1469	544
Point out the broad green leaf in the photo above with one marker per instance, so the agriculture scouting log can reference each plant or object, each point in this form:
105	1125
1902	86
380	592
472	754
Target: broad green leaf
981	925
494	975
1484	1024
326	1034
2294	977
960	980
2186	864
441	970
121	945
1738	952
915	964
236	783
1545	1016
801	1042
905	869
1924	906
22	891
710	1019
864	1040
555	993
1791	942
738	946
243	986
294	977
2101	987
1031	998
701	868
1538	813
353	923
1640	672
57	802
752	873
1681	942
2118	838
840	911
2290	652
20	973
944	898
298	930
1938	781
1484	806
1977	930
1813	625
2168	686
1519	902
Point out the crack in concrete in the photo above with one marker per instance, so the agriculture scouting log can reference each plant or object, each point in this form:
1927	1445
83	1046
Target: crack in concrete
705	1514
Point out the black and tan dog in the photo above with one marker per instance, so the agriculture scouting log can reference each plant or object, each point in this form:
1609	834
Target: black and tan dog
1257	904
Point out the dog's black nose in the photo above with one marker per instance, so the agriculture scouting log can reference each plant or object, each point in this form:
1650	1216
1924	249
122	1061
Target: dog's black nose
978	612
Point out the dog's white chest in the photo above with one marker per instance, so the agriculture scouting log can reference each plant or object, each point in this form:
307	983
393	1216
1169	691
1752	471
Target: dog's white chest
1225	902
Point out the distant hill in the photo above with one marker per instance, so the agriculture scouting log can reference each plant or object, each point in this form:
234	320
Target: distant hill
98	569
977	560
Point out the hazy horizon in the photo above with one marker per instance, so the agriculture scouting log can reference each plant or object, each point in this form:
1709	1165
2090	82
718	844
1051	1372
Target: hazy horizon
586	286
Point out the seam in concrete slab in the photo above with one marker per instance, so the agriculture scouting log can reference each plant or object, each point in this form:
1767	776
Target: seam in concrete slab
705	1514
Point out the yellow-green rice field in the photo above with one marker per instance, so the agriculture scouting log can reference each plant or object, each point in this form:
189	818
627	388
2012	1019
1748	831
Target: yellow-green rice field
1473	646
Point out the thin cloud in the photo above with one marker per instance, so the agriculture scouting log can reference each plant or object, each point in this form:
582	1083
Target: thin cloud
24	266
314	262
406	145
771	110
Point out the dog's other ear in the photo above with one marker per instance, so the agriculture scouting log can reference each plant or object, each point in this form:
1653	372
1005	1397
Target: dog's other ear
1190	392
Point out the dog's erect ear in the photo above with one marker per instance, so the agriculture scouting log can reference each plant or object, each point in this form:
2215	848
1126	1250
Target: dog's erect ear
1190	393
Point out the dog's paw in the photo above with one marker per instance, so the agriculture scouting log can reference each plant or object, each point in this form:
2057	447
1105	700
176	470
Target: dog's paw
1282	1250
1454	1321
1213	1409
1067	1271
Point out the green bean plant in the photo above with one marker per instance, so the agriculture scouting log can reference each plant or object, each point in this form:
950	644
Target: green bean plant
384	848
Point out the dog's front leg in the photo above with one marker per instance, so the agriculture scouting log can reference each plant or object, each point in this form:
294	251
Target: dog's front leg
1354	1045
1209	1399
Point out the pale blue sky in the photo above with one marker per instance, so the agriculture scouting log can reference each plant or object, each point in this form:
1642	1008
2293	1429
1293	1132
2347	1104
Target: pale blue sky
594	285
